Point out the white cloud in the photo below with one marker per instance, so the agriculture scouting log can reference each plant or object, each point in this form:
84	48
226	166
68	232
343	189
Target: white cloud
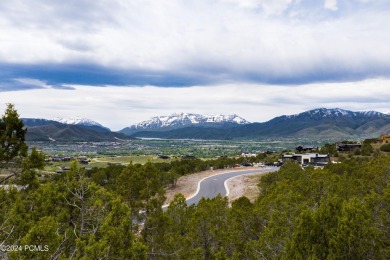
270	7
230	36
118	107
331	5
32	82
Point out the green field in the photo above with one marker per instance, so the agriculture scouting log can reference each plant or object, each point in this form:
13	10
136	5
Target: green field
141	159
105	160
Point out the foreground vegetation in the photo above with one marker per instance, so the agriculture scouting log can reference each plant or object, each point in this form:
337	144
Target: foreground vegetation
339	212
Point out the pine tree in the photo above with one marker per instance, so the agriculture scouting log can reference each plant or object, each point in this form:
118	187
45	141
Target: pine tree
13	147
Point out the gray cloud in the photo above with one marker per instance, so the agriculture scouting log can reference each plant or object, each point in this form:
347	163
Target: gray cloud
23	84
76	44
20	85
277	42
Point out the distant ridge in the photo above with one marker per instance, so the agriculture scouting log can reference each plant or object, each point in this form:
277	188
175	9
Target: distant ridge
79	121
321	113
75	129
185	119
320	123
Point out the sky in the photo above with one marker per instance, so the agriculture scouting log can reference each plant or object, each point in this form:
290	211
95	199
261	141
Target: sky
120	62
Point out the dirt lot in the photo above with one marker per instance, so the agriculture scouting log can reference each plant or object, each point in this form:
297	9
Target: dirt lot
187	185
245	185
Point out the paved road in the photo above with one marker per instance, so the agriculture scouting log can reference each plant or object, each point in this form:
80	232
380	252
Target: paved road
211	186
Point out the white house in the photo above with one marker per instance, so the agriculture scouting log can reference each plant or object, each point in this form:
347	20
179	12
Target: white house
306	159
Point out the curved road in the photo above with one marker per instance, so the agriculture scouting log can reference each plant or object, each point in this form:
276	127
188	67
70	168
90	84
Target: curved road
211	186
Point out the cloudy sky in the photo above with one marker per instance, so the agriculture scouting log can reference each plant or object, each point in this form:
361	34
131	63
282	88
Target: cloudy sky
120	62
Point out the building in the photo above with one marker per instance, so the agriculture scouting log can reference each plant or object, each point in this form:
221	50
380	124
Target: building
307	159
114	164
247	155
305	148
348	147
385	138
57	158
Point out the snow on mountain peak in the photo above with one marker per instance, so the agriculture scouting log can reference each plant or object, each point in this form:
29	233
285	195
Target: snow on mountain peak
335	112
186	119
77	121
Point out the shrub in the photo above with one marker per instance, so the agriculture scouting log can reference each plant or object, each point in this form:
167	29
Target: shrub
385	148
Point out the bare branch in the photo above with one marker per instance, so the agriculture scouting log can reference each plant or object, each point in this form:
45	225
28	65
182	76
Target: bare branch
57	253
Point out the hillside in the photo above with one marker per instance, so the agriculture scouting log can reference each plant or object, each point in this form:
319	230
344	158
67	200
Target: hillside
53	130
70	133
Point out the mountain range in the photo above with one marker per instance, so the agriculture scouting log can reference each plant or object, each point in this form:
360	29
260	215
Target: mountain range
181	120
318	123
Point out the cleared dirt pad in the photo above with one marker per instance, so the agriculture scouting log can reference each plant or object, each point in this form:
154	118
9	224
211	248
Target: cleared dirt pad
245	185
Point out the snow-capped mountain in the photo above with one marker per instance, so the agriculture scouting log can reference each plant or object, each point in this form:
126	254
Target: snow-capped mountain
187	119
316	124
78	121
321	113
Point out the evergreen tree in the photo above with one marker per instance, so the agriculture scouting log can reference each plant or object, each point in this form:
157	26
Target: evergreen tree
13	147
